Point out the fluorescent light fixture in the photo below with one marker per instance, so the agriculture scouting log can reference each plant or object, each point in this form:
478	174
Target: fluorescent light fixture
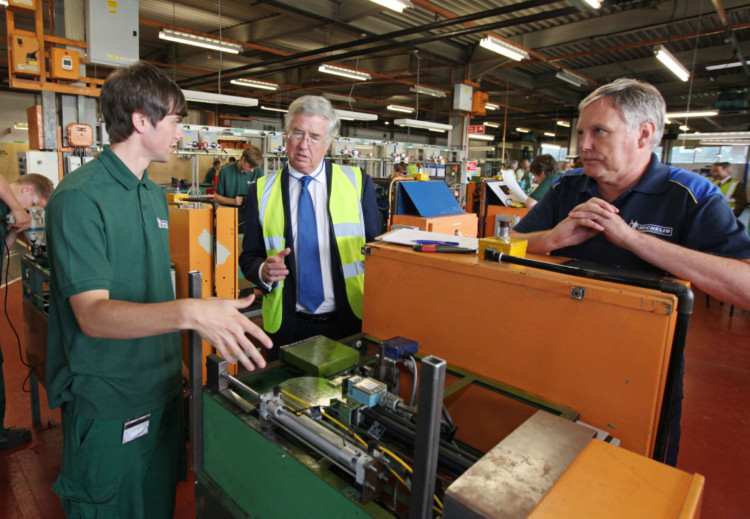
700	113
273	109
481	148
428	91
506	49
481	137
399	108
723	136
491	125
564	124
200	96
727	65
336	97
523	130
395	5
199	41
666	57
355	116
436	130
667	120
684	128
4	2
585	5
732	142
549	134
20	126
252	83
414	123
491	106
569	77
345	72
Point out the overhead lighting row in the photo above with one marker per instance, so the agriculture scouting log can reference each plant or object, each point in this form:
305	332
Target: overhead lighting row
400	108
199	41
200	96
569	77
395	5
427	91
428	125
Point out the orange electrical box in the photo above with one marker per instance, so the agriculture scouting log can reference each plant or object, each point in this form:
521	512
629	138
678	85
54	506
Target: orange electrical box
36	127
63	64
478	102
79	135
25	55
26	4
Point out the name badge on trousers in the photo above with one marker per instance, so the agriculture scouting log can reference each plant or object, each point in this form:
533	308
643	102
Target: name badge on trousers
135	428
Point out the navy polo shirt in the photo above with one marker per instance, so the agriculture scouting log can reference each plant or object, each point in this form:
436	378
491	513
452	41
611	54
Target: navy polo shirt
670	203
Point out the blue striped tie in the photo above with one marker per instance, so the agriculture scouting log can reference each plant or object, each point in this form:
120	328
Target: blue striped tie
308	255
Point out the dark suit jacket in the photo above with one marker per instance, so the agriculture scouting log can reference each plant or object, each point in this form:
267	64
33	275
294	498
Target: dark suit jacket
254	254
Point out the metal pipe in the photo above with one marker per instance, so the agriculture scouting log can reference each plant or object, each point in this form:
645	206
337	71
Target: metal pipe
429	413
195	345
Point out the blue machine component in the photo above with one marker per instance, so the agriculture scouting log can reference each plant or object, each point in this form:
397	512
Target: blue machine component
398	347
366	391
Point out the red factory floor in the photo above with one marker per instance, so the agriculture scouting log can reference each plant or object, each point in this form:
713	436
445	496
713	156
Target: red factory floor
715	422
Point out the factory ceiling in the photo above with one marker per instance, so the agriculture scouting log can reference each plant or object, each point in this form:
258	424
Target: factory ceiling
435	44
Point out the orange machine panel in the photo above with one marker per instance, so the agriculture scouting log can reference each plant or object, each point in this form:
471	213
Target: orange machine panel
25	55
464	223
36	127
26	4
605	355
64	64
604	481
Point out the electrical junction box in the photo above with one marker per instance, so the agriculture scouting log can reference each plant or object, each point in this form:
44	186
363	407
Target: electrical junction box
25	55
365	390
479	103
41	162
64	64
275	143
462	97
79	135
112	32
190	140
209	140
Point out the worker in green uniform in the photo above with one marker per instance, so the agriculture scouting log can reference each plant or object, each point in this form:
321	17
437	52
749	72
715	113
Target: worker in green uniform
114	355
231	188
28	191
211	173
544	169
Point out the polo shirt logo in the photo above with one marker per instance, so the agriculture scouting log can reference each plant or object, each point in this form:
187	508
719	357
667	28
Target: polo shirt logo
651	228
163	224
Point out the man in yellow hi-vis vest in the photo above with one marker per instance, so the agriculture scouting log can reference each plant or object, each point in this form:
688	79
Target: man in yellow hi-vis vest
732	188
304	230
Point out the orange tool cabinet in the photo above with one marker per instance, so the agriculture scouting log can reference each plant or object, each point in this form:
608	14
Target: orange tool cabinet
596	347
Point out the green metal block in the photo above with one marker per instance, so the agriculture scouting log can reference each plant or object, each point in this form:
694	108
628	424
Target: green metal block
320	356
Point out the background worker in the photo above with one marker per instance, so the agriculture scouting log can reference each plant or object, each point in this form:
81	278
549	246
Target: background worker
733	189
114	356
234	180
306	225
28	191
399	170
544	169
211	173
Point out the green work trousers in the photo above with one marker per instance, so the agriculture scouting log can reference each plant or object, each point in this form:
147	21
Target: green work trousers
103	478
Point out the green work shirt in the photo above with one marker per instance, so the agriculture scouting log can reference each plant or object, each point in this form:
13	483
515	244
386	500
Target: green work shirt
544	186
233	182
107	230
210	175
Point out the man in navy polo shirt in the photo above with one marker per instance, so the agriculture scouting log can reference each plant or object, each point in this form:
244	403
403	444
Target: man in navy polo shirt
625	208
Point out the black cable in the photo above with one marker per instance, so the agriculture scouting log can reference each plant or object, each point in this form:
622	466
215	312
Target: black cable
31	367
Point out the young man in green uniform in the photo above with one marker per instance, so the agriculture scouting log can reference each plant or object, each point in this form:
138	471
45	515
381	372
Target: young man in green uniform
28	191
235	179
114	355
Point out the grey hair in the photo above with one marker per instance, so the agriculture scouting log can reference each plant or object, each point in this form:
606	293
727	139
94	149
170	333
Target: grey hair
637	101
314	105
514	164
